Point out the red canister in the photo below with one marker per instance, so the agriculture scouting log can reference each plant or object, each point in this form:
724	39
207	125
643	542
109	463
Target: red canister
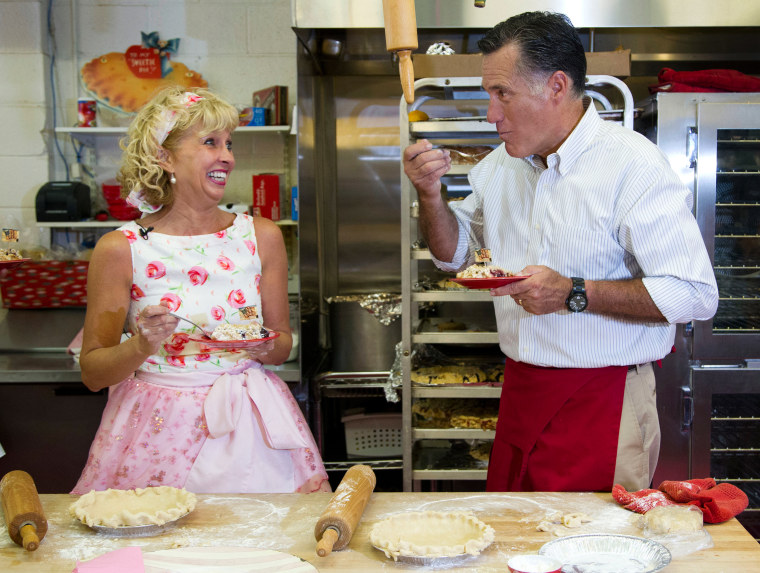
87	112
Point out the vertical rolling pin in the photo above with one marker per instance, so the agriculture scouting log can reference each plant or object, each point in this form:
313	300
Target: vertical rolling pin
339	519
23	510
401	38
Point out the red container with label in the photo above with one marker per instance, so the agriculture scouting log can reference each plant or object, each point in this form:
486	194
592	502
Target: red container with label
87	109
266	196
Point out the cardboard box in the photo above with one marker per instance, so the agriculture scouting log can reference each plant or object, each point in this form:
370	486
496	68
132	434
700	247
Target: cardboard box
617	63
266	196
275	100
453	66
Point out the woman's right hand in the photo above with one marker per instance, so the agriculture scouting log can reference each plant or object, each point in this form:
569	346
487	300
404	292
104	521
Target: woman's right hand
154	326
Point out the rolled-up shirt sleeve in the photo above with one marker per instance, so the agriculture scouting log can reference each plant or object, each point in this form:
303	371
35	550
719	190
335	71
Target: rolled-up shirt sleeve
469	235
663	236
680	301
460	255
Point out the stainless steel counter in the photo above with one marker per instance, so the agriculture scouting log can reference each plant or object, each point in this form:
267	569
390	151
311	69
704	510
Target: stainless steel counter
42	330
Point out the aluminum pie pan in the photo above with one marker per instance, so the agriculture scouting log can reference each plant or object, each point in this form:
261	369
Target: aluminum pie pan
602	553
442	562
148	530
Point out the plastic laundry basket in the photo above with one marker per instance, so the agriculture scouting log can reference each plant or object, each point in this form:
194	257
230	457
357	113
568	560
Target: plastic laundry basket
373	435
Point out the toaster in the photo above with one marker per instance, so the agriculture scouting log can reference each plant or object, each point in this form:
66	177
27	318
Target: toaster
63	201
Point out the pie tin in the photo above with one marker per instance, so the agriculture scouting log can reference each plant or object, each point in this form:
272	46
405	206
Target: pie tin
432	562
601	553
148	530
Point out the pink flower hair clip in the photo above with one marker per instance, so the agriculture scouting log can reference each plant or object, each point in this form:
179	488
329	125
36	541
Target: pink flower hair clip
168	117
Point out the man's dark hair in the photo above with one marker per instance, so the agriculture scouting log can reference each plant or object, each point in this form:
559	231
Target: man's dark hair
547	41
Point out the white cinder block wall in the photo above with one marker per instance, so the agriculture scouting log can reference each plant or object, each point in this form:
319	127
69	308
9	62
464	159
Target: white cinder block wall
23	100
239	46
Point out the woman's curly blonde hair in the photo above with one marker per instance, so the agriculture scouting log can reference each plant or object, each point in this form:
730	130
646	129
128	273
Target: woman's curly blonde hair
140	168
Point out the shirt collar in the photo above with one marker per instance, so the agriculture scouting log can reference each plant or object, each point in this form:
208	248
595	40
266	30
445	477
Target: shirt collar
575	144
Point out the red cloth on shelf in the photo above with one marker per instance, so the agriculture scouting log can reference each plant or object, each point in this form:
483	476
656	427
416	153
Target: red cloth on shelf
718	502
718	80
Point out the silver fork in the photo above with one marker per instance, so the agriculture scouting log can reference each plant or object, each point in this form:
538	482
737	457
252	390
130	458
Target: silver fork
206	334
477	155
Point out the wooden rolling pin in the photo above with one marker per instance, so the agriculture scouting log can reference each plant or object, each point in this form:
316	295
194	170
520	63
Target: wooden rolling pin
342	514
23	510
401	38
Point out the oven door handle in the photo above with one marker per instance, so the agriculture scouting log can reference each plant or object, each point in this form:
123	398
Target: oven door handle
687	408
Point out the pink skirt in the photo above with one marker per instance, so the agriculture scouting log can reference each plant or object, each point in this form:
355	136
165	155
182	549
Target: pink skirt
239	432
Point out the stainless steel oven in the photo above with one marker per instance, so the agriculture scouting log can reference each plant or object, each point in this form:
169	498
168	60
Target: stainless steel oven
708	391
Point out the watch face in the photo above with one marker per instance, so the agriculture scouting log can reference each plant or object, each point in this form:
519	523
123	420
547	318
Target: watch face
577	302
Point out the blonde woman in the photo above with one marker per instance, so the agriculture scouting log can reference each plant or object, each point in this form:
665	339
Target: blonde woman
179	412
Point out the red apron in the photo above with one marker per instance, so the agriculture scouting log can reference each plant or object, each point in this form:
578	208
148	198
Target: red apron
558	428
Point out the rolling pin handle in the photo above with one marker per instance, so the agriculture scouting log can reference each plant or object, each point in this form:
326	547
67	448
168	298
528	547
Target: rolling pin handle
29	538
406	73
329	537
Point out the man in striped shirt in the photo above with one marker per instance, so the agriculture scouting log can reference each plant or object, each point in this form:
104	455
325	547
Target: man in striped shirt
596	217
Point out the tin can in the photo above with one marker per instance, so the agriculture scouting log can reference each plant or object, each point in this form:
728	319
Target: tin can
87	109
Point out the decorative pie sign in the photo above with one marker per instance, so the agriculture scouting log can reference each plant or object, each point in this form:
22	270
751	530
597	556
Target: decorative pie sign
483	255
144	62
249	312
10	235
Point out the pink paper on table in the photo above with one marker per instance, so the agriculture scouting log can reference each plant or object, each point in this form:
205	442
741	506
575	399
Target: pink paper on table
125	560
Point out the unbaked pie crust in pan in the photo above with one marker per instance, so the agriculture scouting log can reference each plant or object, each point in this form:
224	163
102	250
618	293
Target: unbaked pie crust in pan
125	508
431	534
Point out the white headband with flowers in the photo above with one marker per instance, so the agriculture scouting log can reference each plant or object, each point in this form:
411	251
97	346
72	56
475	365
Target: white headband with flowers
166	123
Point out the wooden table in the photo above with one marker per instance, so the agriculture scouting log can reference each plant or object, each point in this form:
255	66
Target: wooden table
285	522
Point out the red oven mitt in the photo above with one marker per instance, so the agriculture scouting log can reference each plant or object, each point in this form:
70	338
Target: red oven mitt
718	502
640	501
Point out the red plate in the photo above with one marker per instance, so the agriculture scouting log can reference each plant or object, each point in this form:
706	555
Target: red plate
7	265
229	344
488	282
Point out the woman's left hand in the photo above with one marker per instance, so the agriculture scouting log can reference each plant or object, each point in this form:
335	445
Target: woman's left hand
260	351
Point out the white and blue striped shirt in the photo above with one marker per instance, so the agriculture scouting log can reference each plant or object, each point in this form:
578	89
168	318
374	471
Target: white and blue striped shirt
607	207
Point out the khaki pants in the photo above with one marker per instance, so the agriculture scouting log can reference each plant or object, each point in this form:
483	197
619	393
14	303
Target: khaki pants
639	437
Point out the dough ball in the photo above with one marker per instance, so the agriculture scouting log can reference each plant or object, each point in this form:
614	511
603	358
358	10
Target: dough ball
673	519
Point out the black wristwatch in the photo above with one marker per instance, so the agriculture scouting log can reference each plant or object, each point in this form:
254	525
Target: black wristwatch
577	301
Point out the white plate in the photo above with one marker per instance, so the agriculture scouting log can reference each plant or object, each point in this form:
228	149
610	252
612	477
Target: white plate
223	560
600	553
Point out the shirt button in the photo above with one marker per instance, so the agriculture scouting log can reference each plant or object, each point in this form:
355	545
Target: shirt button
537	226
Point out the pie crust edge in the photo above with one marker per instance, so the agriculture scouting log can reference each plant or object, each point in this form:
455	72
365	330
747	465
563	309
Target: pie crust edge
396	546
116	507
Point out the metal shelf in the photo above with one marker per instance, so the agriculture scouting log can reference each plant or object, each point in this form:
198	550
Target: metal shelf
456	338
456	391
453	296
111	223
384	464
452	434
459	131
449	474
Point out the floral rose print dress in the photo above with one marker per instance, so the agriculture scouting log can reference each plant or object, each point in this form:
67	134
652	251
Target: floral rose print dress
209	420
